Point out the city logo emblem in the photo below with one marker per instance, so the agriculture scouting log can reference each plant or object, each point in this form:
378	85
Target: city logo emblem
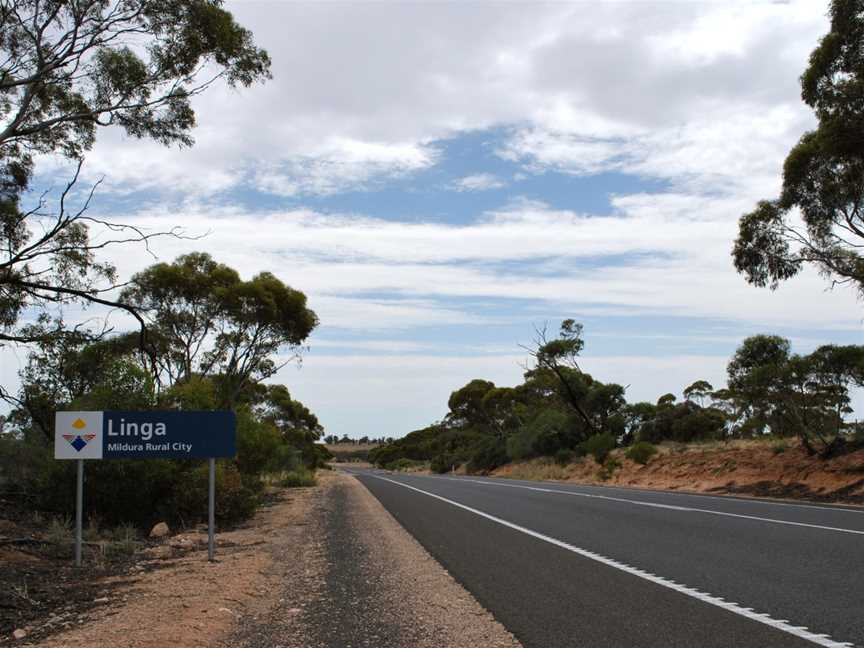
79	441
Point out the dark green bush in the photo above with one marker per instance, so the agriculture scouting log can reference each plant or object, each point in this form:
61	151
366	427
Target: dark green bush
564	456
599	446
488	456
235	501
641	452
608	469
443	463
402	464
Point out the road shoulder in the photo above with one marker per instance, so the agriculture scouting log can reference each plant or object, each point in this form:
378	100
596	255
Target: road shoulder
377	587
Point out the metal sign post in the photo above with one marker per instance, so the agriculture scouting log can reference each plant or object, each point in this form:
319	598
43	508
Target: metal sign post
79	511
145	435
211	512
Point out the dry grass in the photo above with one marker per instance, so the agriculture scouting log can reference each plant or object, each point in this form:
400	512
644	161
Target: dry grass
536	469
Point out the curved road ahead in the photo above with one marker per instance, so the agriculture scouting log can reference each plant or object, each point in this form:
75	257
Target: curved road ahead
564	565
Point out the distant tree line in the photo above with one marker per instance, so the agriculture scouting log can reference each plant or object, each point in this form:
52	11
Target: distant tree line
332	439
562	412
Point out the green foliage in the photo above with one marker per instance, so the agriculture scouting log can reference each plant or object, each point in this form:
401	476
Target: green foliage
298	478
565	456
641	452
823	175
402	464
666	401
172	490
783	394
779	447
607	470
236	501
260	447
487	457
205	321
699	390
684	423
123	542
549	432
466	404
60	531
443	463
561	412
68	69
599	446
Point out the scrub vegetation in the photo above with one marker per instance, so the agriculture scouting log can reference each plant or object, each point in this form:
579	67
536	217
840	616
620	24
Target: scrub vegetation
562	413
212	341
204	338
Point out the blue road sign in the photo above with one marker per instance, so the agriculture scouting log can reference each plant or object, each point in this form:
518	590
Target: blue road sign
145	435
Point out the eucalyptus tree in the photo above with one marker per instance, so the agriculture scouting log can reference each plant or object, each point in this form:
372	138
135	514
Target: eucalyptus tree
559	356
817	218
208	322
699	390
67	69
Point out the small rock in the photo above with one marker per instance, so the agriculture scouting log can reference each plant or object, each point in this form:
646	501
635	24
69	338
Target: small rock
101	599
162	551
160	530
19	634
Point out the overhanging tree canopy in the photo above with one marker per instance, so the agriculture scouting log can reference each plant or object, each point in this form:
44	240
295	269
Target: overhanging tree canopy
818	218
68	67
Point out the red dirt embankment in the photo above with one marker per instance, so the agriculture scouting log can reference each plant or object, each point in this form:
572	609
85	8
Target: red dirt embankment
758	468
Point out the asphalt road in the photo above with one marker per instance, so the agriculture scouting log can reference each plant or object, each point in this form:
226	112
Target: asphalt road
563	565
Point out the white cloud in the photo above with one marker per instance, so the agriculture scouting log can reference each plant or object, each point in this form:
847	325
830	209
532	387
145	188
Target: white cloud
374	274
361	90
479	182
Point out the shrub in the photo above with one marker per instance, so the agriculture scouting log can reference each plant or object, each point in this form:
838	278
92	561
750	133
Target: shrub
301	477
779	448
564	456
488	456
124	542
521	445
443	463
608	469
599	446
641	452
400	464
235	500
60	531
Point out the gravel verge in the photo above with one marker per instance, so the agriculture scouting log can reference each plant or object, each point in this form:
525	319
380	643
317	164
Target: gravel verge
368	583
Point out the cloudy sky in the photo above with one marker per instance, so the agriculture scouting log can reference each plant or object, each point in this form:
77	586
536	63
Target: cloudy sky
441	177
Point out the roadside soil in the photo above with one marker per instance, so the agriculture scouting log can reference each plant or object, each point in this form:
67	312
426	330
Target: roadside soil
756	468
369	583
324	566
40	589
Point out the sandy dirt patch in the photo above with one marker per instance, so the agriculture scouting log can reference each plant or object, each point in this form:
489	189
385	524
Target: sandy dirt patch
175	597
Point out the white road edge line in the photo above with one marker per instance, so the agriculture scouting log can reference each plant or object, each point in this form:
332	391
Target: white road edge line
784	626
671	507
